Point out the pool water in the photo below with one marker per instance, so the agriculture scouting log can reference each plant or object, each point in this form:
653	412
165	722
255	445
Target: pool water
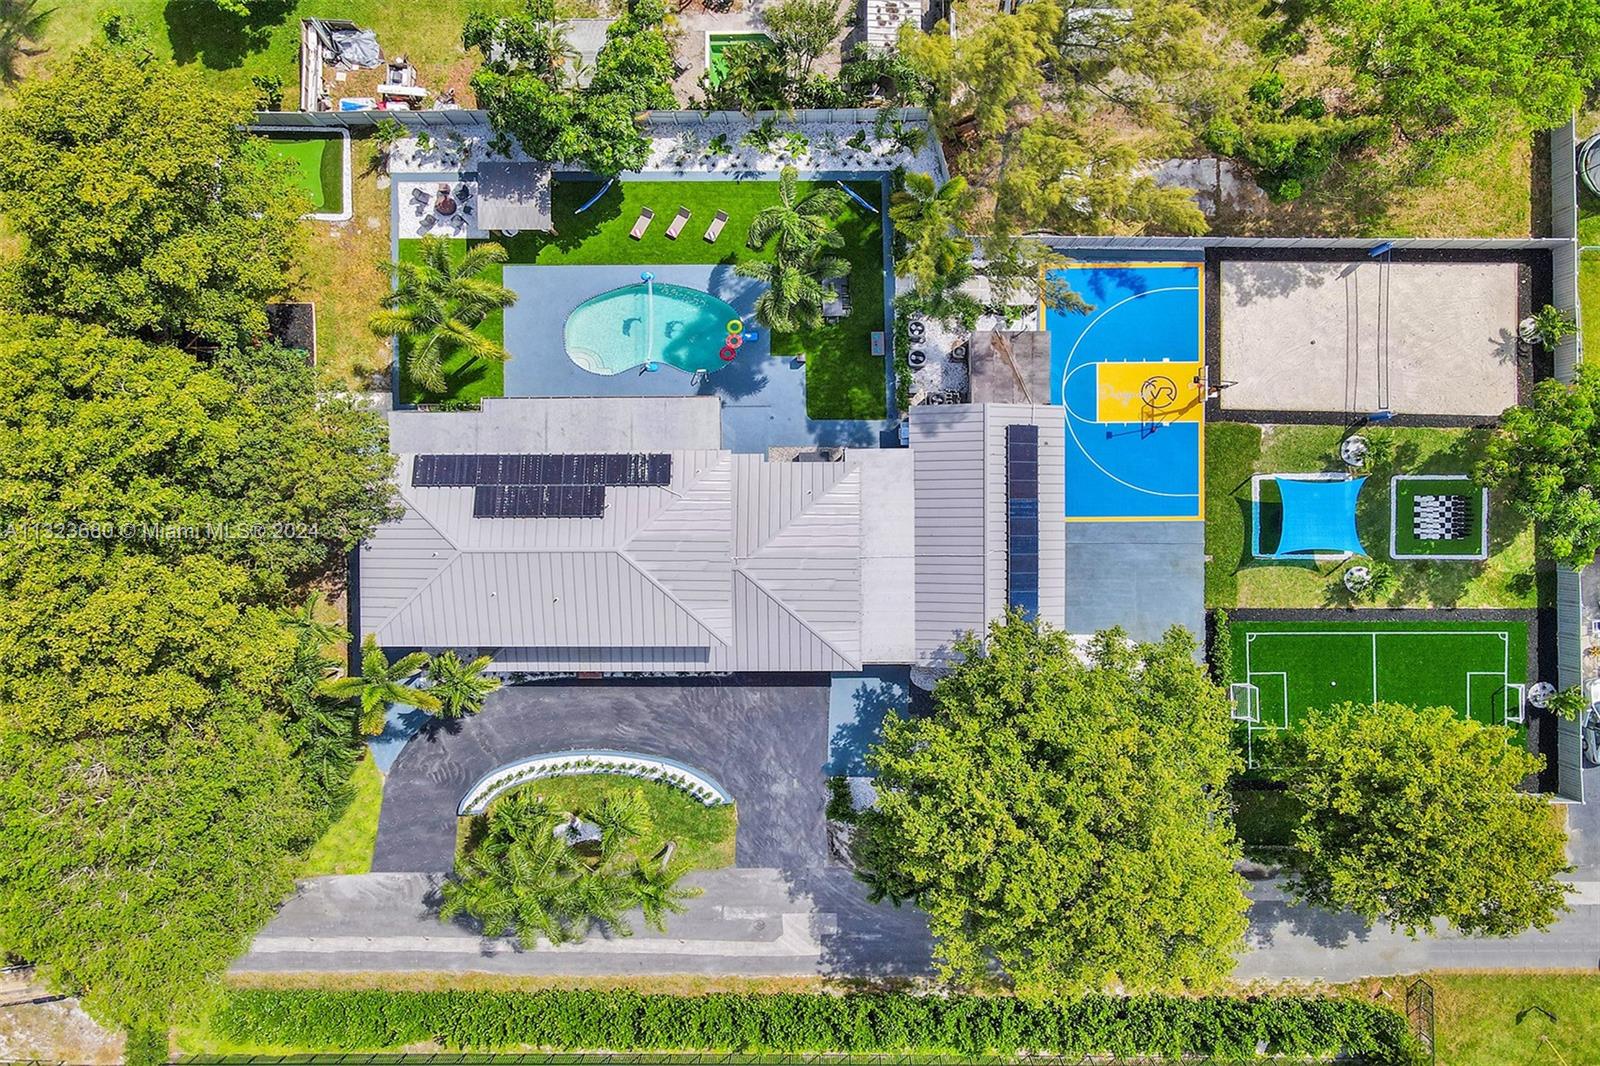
318	166
622	329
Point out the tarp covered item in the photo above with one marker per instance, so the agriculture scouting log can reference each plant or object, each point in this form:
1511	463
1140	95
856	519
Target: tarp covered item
1319	516
356	49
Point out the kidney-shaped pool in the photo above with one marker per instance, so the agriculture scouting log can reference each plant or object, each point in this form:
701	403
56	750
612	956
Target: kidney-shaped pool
653	322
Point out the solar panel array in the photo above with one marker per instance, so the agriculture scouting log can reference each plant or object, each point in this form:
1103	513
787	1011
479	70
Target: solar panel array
538	501
465	471
540	486
1022	518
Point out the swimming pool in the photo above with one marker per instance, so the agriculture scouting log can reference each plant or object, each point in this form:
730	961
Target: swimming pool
655	323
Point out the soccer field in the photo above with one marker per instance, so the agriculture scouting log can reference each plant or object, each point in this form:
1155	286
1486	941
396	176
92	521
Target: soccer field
1477	668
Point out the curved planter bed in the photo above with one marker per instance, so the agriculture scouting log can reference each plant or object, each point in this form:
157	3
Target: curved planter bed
576	763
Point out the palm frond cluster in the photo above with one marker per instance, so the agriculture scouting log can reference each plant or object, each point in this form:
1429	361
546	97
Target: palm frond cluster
534	875
806	245
454	688
437	306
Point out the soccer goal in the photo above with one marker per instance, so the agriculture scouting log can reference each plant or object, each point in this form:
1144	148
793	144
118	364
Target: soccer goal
1516	702
1246	700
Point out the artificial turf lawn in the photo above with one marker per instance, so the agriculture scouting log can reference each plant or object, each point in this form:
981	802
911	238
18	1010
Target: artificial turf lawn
467	378
346	846
1234	578
1424	664
318	160
843	378
704	835
1406	542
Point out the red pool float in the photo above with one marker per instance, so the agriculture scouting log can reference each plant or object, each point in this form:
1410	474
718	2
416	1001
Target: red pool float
728	354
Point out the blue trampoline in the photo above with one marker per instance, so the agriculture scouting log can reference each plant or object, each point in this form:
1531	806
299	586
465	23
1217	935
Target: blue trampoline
1319	516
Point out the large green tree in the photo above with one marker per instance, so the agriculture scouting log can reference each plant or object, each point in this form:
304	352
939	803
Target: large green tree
242	457
134	867
1061	814
142	203
1458	70
1411	815
1546	458
529	97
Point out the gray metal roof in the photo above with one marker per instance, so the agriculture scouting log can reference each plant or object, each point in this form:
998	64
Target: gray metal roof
738	564
960	455
563	424
514	196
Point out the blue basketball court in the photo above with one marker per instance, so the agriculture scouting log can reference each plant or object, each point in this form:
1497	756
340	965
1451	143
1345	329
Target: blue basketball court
1130	376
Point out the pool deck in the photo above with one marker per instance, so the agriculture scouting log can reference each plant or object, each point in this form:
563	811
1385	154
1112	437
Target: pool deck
763	398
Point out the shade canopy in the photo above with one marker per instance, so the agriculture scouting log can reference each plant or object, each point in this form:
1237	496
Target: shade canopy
514	197
1319	516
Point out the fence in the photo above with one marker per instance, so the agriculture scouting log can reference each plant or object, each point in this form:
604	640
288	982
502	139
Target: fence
1564	230
1354	244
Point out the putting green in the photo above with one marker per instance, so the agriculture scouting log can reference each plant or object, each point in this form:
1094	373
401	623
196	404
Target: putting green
318	160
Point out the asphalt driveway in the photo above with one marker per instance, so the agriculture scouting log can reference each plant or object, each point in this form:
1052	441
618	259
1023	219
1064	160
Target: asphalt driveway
762	737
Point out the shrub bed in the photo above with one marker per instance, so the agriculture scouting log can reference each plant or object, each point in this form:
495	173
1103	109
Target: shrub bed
571	1020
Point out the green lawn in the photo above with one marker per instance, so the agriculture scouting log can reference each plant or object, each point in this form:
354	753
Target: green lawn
467	378
346	847
704	835
230	50
1297	666
318	160
843	378
1234	578
1513	1019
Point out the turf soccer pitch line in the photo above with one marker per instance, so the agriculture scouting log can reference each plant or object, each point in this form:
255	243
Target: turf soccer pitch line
1479	669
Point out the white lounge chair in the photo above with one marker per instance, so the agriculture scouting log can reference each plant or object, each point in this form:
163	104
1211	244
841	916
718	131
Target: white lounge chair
642	224
714	230
677	223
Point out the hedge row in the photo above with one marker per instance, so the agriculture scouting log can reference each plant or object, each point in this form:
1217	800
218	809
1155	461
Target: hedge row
573	1020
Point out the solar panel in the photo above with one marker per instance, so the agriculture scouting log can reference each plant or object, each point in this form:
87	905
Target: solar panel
1022	518
538	501
616	470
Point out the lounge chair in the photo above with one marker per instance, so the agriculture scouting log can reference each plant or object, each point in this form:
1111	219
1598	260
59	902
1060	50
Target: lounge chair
642	224
714	230
677	223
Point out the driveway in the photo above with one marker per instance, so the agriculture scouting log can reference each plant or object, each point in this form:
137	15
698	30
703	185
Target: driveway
762	737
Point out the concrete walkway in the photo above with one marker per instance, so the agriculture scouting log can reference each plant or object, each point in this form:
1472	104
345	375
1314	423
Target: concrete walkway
748	921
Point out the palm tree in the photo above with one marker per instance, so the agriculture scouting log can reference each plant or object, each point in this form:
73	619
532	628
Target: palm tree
622	817
438	304
304	618
21	26
799	223
521	878
793	298
927	216
380	684
460	687
654	889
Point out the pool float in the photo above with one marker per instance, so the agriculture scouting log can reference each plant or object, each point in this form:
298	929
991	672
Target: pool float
735	325
734	340
728	354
